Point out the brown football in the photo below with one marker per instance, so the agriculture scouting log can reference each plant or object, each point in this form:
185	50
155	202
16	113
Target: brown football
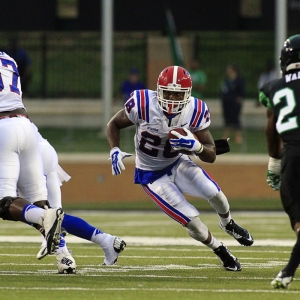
182	132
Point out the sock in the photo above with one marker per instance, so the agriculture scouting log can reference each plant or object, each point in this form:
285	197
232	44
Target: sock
62	247
225	221
214	243
294	261
99	237
32	213
78	227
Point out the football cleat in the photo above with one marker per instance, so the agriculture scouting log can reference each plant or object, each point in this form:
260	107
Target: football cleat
43	252
281	281
66	263
53	218
229	261
238	232
115	246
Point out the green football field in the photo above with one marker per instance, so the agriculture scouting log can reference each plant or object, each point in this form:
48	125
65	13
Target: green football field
160	261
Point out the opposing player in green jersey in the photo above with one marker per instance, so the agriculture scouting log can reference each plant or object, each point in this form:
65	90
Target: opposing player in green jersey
282	99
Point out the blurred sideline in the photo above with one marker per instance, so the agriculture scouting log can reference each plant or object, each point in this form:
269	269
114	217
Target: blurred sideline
87	113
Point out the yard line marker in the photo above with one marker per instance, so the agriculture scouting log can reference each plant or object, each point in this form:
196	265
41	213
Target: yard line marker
267	291
152	241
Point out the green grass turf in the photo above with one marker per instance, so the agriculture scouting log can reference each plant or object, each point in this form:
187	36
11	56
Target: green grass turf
150	271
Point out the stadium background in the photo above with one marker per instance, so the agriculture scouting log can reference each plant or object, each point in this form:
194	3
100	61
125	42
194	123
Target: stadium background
63	39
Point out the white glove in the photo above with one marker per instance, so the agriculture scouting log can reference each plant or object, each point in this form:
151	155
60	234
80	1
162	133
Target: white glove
116	156
188	142
273	173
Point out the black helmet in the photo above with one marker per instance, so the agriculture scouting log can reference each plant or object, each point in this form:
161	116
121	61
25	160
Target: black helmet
290	54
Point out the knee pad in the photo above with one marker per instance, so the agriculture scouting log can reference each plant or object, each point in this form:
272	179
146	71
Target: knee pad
197	230
219	203
4	208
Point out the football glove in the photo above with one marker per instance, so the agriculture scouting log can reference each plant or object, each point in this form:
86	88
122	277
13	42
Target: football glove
273	173
188	142
116	157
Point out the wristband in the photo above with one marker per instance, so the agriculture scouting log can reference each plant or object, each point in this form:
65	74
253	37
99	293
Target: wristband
201	149
274	165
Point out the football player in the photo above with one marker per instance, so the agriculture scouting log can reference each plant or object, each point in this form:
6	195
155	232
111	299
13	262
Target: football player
162	170
21	169
282	99
20	161
112	246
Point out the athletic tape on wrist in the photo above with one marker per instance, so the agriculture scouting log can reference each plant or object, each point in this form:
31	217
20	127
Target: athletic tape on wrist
274	165
201	149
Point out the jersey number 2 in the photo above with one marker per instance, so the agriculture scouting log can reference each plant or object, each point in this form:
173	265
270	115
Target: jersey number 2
285	123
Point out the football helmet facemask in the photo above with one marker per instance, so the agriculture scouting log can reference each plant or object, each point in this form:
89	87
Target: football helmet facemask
290	54
174	79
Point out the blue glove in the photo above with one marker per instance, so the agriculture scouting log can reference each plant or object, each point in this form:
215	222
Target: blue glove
116	156
188	142
273	180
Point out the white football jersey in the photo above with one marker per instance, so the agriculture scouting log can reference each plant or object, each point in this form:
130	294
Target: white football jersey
153	150
10	86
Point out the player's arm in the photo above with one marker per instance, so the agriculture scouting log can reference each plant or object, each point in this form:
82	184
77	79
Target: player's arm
114	126
272	136
274	150
208	153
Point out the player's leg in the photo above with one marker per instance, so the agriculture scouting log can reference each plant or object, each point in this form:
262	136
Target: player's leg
14	142
32	182
195	181
111	245
166	195
65	261
18	209
289	192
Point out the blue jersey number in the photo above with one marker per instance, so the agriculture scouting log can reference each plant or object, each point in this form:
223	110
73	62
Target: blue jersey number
15	76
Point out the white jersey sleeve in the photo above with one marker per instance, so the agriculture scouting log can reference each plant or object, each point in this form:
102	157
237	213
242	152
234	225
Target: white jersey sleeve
10	85
197	115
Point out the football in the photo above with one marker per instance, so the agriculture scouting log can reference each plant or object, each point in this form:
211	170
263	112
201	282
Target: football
182	132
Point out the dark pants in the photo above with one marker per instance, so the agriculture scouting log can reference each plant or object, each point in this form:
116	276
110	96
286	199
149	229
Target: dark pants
231	113
290	183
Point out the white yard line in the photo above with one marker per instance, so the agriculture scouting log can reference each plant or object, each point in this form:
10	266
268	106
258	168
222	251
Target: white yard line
226	291
152	241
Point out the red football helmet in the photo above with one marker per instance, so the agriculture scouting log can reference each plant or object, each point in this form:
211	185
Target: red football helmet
174	79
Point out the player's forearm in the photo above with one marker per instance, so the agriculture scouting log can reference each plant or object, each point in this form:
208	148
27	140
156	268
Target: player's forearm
272	137
208	154
113	135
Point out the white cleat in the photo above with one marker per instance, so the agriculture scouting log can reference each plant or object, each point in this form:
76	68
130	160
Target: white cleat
112	250
66	263
53	218
281	281
43	252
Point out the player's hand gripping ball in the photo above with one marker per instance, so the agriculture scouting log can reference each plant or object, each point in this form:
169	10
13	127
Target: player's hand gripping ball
185	142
